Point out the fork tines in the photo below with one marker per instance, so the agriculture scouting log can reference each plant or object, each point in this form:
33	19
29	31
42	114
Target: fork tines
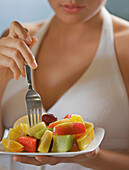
34	107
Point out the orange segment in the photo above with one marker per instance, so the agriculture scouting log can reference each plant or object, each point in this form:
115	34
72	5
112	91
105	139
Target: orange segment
22	128
23	119
18	131
12	146
13	134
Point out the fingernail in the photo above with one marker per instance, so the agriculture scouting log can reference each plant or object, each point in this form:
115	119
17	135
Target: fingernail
14	159
17	78
24	75
28	39
34	64
38	159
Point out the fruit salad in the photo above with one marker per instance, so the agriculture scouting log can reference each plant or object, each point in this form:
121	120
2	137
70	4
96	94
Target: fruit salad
70	134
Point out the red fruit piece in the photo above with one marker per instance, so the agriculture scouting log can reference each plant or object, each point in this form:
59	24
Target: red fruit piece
29	143
49	118
67	116
75	148
69	128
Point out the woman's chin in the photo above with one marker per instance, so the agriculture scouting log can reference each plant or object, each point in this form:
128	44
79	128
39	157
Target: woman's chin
71	20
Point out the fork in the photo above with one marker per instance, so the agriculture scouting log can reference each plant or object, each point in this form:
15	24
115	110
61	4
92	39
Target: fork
33	101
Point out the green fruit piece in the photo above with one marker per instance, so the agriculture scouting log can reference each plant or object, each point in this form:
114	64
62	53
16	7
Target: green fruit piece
45	142
62	143
39	134
85	139
34	129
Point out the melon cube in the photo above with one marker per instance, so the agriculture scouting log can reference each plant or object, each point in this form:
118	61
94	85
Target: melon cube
40	133
34	129
63	143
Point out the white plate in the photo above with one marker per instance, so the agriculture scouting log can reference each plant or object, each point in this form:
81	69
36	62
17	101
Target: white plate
99	134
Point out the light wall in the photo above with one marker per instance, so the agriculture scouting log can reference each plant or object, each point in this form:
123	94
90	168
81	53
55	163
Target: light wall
34	10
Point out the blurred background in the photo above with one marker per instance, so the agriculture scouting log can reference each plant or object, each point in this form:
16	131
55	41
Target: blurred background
35	10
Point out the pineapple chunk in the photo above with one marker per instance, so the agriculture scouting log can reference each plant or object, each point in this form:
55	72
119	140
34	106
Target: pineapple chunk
88	124
45	142
76	118
85	139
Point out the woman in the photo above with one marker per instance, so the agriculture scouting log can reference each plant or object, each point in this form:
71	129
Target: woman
82	66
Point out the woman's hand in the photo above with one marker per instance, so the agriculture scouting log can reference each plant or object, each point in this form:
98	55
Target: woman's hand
42	160
14	52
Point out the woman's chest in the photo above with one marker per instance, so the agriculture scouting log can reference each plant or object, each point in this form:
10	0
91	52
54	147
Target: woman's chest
59	69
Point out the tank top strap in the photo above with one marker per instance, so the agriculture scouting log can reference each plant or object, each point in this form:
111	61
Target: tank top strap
107	37
107	51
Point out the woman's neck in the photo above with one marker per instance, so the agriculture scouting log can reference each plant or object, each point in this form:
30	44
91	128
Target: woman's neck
67	34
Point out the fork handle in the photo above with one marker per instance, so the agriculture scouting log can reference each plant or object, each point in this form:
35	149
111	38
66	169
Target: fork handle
28	74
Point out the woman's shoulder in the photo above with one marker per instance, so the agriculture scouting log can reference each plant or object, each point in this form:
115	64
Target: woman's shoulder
121	34
121	31
121	37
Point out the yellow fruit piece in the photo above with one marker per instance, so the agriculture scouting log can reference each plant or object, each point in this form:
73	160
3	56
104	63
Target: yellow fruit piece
22	128
45	142
13	134
88	124
85	139
23	119
12	146
76	118
36	128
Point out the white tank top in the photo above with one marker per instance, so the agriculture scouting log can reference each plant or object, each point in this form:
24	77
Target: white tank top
99	95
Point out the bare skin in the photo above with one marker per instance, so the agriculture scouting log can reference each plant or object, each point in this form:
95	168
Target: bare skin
57	78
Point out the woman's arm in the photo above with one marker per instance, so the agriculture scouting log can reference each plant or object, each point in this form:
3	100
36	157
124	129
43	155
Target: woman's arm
2	89
109	160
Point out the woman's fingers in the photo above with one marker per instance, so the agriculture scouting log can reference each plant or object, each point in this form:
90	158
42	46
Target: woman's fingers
15	50
27	160
16	56
34	40
10	63
23	48
18	31
53	160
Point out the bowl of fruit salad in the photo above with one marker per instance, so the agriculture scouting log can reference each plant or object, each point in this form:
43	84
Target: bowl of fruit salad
67	137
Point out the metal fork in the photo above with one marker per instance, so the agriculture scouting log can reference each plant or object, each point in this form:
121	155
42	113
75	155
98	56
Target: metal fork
33	101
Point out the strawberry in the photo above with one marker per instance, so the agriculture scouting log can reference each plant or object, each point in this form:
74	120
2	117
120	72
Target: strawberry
67	116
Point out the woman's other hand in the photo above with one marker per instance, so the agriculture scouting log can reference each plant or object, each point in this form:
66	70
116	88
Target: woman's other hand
43	160
15	52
